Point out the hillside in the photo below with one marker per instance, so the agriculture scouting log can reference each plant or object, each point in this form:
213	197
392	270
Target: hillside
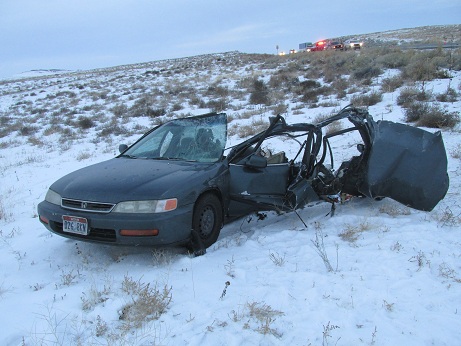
435	34
395	272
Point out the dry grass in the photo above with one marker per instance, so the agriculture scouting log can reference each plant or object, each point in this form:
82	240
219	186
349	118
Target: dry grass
83	155
259	317
367	100
431	115
146	302
409	95
352	232
438	117
2	211
456	152
447	217
391	84
447	272
394	210
5	214
94	296
248	130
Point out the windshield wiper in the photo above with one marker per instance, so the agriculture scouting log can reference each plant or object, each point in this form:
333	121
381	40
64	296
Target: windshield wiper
162	158
129	156
172	159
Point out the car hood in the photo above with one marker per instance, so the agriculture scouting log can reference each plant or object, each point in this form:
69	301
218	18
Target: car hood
122	179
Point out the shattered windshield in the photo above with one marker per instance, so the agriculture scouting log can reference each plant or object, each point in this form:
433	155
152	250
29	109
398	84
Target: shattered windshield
200	139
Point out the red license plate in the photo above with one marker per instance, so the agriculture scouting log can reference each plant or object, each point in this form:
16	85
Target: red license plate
74	224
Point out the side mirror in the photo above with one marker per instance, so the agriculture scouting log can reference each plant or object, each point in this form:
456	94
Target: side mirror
256	161
122	148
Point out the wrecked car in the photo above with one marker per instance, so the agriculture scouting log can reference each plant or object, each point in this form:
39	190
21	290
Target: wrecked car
179	183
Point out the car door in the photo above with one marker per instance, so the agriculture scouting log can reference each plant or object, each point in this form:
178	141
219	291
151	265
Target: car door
406	164
268	173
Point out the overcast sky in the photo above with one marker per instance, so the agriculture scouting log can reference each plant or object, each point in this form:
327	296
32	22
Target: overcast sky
85	34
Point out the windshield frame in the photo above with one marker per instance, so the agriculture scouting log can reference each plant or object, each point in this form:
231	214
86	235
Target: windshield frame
197	139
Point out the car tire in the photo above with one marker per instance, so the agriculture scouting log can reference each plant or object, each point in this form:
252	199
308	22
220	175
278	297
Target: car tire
208	218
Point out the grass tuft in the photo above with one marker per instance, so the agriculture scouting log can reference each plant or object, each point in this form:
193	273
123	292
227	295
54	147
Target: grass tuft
147	303
352	232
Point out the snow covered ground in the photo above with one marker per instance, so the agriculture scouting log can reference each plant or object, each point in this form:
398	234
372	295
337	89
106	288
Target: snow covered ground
395	278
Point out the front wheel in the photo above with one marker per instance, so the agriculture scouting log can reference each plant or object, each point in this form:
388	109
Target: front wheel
208	218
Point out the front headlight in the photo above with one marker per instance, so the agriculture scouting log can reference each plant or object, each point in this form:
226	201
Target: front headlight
155	206
53	197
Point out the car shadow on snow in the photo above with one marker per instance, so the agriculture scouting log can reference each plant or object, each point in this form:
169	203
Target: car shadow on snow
100	254
234	233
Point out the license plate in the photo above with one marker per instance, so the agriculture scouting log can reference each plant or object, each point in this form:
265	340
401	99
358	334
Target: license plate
74	224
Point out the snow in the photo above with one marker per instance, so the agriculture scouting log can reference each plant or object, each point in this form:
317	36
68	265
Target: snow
395	278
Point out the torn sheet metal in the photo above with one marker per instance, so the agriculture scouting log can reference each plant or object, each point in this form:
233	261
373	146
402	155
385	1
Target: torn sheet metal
407	164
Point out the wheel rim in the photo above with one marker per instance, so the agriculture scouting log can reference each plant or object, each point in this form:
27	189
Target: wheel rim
207	221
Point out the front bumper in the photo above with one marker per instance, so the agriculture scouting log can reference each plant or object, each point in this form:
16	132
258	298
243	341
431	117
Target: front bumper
174	227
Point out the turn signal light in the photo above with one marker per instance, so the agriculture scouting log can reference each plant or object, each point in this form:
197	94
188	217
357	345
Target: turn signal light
44	219
171	204
139	232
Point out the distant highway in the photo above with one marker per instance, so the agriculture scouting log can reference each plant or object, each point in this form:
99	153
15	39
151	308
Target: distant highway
423	46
